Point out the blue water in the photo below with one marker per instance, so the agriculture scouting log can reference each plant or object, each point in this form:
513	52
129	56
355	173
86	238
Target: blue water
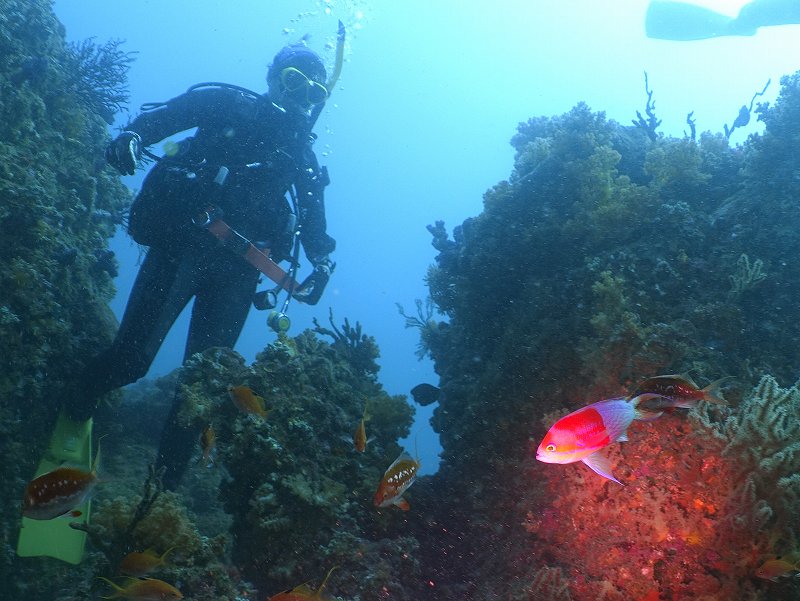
418	126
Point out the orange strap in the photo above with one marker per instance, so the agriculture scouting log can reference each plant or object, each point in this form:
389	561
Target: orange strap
258	259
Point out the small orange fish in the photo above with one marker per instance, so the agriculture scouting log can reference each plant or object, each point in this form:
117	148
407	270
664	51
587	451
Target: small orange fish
400	475
778	567
139	564
304	592
208	440
247	401
680	389
148	589
59	491
360	435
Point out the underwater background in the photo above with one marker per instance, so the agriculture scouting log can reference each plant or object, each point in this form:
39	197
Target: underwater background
601	247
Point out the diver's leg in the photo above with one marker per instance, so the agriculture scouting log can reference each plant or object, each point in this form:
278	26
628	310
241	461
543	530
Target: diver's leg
218	316
158	296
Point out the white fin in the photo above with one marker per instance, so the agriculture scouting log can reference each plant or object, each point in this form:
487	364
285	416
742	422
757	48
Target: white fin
601	466
623	437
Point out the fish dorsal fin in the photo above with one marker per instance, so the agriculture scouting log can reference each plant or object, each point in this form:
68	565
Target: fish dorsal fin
601	466
687	377
404	456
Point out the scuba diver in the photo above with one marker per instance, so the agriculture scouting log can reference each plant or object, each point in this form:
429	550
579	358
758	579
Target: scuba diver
215	214
679	21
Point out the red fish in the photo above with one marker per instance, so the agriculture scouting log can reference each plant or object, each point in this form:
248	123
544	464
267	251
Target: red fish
304	592
579	435
400	475
59	491
680	389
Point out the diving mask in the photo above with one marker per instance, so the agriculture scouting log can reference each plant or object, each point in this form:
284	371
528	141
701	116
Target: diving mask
293	80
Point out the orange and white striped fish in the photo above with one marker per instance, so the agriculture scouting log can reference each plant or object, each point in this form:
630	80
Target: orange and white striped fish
400	475
59	491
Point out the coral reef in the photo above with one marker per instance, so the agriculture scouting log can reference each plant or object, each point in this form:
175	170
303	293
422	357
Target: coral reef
300	497
58	207
624	255
615	253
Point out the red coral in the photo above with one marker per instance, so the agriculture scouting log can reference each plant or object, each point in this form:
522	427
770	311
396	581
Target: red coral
667	534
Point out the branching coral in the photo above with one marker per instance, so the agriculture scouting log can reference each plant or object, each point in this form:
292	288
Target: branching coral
424	322
746	276
360	349
762	440
100	75
650	124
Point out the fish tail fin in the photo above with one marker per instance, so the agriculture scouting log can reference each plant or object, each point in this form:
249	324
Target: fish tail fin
712	394
325	580
117	588
96	462
262	407
167	552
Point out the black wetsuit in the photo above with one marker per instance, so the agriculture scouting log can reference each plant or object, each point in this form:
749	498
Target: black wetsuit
266	151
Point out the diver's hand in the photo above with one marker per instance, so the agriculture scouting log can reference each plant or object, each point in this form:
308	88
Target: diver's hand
323	264
310	291
124	152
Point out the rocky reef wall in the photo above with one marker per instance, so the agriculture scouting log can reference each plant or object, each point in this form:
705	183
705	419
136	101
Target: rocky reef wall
610	255
59	204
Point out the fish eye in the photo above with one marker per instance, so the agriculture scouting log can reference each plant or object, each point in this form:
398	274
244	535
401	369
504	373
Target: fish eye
550	448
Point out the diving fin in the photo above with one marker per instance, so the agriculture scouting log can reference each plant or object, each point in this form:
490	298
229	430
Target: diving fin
666	20
71	443
680	21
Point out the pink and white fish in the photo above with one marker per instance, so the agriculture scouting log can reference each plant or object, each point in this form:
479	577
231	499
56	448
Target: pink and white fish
581	434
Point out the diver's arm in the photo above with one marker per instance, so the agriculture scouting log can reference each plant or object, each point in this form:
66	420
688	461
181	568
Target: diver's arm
311	205
192	109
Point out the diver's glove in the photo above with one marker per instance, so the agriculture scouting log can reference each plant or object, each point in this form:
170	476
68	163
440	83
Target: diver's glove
310	291
124	152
